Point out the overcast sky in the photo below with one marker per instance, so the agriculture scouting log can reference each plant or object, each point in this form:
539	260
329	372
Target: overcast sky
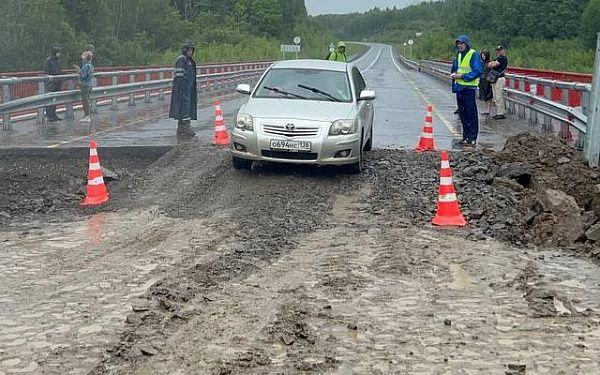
349	6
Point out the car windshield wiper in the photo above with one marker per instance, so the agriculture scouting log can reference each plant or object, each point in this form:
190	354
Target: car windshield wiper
317	91
283	92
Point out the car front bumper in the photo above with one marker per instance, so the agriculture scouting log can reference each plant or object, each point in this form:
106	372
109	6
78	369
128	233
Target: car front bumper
325	150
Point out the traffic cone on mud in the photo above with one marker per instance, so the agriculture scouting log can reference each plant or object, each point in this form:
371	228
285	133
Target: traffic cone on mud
222	137
448	210
96	189
426	142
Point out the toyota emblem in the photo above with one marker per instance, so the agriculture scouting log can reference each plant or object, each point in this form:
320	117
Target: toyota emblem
290	126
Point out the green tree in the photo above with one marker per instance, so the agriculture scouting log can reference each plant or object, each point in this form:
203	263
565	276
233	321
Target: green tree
590	23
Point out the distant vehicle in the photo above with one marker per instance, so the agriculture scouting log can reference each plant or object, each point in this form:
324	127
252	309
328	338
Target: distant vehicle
305	112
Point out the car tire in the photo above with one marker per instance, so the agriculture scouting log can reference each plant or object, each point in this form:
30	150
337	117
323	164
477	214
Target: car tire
242	164
369	145
356	168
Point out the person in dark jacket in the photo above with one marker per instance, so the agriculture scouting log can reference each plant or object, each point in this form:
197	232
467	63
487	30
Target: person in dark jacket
52	68
86	84
485	87
184	97
466	72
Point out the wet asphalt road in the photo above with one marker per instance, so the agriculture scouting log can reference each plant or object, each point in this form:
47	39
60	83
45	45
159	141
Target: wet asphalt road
400	108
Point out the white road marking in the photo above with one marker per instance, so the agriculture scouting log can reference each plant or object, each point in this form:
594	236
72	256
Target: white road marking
374	61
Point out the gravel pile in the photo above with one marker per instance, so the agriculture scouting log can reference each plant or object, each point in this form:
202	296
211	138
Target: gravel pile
537	191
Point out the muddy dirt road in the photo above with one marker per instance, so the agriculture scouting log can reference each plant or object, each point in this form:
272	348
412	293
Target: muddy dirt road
195	268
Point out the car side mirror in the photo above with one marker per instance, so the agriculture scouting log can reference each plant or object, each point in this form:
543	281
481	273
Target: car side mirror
367	95
244	88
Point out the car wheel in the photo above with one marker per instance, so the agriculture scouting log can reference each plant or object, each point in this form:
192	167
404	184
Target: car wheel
239	163
356	168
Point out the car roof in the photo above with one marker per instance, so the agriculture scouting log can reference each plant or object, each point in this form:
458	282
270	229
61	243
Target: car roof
311	64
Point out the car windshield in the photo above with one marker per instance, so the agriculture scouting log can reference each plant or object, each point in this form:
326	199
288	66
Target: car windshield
305	84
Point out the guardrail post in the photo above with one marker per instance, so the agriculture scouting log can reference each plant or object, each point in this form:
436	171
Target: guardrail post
132	95
592	144
521	109
511	104
114	101
147	93
6	125
533	115
40	112
161	92
547	125
69	111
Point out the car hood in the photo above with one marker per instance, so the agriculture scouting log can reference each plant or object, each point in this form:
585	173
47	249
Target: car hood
298	109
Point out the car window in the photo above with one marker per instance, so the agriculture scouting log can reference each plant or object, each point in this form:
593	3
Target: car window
333	85
359	82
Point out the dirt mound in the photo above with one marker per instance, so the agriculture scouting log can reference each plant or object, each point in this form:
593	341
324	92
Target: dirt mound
49	184
536	191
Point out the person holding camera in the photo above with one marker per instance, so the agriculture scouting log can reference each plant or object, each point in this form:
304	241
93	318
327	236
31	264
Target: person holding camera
498	81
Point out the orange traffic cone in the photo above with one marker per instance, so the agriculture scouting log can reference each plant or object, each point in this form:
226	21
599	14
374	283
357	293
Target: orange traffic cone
426	142
96	190
448	210
222	137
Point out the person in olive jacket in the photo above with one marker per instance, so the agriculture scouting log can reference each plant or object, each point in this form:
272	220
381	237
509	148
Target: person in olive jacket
184	97
52	68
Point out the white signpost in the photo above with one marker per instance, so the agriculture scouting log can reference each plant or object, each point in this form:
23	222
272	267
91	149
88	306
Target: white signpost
410	44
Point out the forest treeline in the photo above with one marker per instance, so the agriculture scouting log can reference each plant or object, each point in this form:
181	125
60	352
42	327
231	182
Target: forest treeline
148	32
546	34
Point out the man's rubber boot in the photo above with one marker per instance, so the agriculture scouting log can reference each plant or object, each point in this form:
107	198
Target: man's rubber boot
184	129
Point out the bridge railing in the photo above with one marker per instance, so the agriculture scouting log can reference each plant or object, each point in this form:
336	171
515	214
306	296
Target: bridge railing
24	96
557	106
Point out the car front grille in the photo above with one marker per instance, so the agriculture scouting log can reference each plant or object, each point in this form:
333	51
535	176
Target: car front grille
296	132
290	155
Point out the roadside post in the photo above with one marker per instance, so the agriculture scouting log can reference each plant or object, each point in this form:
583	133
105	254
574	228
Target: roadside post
592	144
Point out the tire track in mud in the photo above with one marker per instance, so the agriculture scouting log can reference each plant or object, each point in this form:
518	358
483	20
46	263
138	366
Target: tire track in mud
262	212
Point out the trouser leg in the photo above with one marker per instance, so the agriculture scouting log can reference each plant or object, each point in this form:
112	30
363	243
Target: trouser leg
460	101
471	115
51	112
85	101
499	96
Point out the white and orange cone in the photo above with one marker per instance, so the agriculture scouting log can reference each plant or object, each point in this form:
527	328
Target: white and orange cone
222	137
448	210
426	142
96	189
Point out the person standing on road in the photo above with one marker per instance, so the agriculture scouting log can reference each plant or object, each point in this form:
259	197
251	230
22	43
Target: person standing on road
465	73
86	83
339	54
485	87
184	97
52	68
499	65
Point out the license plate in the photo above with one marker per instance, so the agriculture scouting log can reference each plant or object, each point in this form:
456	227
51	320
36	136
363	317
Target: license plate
294	146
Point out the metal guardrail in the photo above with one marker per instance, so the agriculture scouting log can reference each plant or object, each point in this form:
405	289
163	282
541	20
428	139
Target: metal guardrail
219	76
549	103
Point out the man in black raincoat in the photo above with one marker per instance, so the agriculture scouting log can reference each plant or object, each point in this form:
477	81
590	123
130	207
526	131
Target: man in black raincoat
52	68
184	97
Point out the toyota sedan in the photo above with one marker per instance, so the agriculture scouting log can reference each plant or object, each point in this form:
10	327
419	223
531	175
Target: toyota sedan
305	112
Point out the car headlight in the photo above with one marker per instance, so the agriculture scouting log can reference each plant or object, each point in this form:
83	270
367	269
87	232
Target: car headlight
342	127
244	122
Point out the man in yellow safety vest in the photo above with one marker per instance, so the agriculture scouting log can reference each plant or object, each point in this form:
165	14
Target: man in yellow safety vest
466	71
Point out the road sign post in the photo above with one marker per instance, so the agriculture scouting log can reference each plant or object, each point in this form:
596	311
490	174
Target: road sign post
410	44
592	131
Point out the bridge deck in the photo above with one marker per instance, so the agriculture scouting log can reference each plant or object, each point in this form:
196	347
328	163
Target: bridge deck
402	96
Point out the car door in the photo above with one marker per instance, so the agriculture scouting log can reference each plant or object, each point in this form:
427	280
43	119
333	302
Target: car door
365	108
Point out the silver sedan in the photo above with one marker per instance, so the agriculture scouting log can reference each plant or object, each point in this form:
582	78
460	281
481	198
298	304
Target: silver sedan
305	112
